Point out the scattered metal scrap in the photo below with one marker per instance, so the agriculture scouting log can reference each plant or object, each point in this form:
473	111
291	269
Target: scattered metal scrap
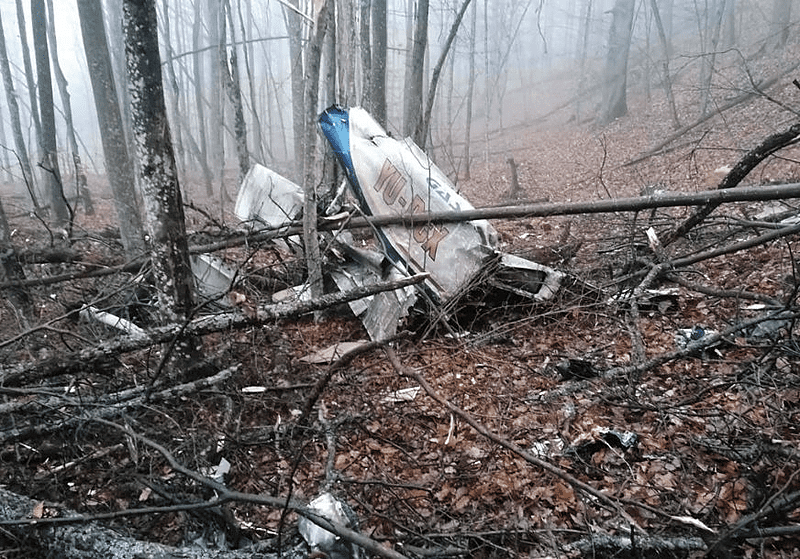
390	177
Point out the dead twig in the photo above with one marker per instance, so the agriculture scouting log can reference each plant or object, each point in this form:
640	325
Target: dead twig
79	361
750	161
613	504
105	407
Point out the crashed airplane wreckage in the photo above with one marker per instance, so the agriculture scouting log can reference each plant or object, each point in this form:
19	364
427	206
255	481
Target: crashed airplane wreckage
390	177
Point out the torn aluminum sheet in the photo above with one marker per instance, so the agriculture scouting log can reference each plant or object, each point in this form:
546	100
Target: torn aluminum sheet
332	353
213	278
267	199
380	313
395	177
90	313
320	539
526	278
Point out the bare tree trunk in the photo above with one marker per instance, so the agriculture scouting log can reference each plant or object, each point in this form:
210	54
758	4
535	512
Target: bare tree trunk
26	61
346	49
586	22
80	176
470	93
415	73
10	268
662	36
7	175
199	100
421	132
50	170
294	27
119	167
366	57
247	50
313	260
116	48
379	55
174	96
710	56
230	78
158	178
615	76
214	22
16	124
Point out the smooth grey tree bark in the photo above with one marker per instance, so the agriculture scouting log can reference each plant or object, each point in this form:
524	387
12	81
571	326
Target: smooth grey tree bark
423	123
174	90
415	71
26	64
116	48
379	56
346	51
16	123
615	75
158	176
366	55
310	240
470	92
82	187
201	151
214	94
119	167
229	69
294	27
51	173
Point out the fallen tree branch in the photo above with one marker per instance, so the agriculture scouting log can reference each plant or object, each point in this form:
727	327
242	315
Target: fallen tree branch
691	348
669	267
104	407
751	159
778	504
339	364
527	456
630	204
619	545
80	361
86	539
728	293
20	516
758	88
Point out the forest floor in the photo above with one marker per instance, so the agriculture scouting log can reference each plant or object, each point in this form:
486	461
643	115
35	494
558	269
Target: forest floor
685	447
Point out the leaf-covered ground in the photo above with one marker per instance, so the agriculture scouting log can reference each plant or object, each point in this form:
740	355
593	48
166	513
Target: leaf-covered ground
687	448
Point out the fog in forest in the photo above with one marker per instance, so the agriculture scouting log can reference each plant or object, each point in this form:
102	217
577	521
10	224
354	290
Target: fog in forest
510	63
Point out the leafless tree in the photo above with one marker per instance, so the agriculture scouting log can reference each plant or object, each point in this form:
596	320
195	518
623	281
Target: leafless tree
51	174
82	187
158	176
615	75
119	166
379	61
16	123
415	71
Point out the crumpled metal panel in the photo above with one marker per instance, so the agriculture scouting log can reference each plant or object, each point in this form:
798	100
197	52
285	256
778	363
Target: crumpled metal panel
268	198
395	177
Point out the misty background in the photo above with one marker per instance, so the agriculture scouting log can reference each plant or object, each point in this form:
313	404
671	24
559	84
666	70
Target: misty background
511	62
